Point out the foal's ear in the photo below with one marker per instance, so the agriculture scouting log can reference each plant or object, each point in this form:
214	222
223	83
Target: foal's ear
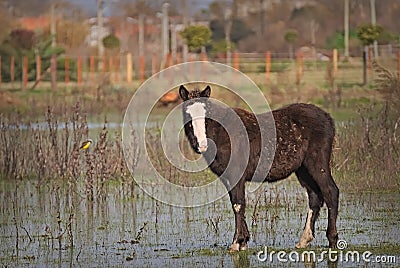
184	93
206	92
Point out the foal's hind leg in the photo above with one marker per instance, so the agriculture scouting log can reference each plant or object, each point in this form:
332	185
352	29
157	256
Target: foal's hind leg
319	168
315	202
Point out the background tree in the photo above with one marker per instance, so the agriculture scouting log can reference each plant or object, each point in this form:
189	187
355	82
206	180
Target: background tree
291	37
21	43
196	37
71	34
219	48
111	43
7	22
239	31
367	34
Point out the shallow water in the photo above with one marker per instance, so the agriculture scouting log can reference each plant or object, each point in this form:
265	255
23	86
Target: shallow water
122	226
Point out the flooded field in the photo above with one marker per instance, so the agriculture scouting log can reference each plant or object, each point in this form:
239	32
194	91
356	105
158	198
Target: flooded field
54	224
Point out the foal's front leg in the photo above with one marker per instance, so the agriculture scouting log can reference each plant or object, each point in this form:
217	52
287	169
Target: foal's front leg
237	196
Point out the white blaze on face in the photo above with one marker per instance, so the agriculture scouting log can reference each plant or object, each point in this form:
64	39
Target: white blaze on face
197	112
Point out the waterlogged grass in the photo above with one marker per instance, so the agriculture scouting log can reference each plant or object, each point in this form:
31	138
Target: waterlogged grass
55	223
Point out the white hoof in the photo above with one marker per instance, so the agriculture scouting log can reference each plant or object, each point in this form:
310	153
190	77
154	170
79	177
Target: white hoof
307	235
234	247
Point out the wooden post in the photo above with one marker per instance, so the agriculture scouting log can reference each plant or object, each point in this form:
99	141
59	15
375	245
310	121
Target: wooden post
335	62
190	58
79	70
110	68
365	56
236	60
0	73
178	57
91	68
369	58
66	70
141	68
129	68
154	64
116	68
268	67
12	70
104	65
25	71
38	68
53	71
299	69
203	56
168	61
398	63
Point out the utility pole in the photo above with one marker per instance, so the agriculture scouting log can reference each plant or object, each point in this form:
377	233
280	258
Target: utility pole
185	23
141	35
173	40
100	27
346	29
373	21
228	27
165	31
262	18
53	25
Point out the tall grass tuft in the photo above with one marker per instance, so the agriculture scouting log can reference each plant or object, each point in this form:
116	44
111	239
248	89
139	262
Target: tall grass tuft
51	150
367	156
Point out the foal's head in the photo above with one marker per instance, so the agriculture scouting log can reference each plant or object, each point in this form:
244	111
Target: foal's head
194	116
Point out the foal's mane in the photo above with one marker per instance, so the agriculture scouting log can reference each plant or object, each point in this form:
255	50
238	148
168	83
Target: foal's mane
195	93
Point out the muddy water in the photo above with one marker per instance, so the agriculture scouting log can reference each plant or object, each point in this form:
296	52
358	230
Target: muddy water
53	224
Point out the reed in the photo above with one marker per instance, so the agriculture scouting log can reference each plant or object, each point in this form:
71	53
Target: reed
50	149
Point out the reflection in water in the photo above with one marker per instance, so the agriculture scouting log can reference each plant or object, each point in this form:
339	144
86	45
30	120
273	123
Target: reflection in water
55	224
241	260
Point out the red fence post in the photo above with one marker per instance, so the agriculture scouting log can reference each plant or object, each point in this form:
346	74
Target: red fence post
267	67
236	60
25	71
129	68
299	69
168	61
178	58
79	70
203	56
38	68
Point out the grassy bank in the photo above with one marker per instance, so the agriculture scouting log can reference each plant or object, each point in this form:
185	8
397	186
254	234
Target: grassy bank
41	132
